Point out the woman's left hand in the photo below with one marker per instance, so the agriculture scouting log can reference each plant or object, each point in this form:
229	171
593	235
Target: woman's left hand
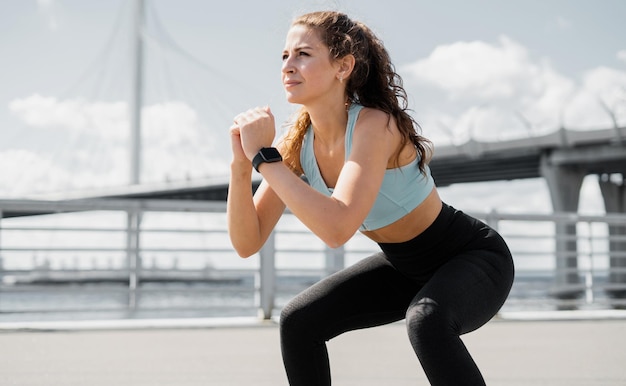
256	129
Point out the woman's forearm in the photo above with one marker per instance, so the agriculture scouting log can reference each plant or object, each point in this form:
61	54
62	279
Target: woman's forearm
330	219
242	218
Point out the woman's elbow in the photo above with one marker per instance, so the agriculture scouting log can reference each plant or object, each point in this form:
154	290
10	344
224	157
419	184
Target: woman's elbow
245	248
334	244
244	253
337	238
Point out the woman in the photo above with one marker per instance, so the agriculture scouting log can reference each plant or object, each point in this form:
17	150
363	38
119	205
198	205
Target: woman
366	166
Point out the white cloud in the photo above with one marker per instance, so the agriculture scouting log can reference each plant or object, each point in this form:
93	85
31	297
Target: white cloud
604	81
171	123
177	145
621	55
497	91
89	146
36	173
475	69
108	120
40	173
602	93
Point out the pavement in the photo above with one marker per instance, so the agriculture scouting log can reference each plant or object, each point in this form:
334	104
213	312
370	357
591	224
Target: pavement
555	352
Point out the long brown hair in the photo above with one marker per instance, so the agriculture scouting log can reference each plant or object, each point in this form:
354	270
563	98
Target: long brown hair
373	83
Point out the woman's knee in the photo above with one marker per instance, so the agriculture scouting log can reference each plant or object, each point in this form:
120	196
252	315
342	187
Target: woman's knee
426	320
296	317
289	315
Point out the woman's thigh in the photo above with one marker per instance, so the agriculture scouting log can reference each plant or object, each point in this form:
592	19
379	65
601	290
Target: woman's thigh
369	293
469	289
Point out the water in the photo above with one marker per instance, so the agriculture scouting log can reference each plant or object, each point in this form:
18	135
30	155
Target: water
102	301
98	301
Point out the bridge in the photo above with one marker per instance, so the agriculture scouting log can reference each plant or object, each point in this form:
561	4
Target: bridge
593	152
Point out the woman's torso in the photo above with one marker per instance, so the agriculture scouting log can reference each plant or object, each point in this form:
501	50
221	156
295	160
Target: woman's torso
396	216
411	225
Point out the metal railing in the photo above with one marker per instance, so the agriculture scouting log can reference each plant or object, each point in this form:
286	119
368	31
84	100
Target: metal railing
164	258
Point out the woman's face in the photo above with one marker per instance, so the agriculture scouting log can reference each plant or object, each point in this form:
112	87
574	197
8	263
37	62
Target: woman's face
307	72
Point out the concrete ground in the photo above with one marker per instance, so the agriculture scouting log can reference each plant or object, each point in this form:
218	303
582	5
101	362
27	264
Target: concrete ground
510	353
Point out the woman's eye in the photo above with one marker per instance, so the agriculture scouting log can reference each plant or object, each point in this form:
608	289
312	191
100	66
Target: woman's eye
300	53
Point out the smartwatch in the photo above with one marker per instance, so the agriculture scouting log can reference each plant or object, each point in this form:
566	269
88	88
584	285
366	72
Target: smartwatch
266	154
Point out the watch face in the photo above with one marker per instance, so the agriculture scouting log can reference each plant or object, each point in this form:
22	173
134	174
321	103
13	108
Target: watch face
271	154
266	154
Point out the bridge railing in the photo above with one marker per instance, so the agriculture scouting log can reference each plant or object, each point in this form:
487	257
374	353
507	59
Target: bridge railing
136	259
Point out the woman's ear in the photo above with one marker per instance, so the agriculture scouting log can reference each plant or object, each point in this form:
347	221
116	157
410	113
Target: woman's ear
346	65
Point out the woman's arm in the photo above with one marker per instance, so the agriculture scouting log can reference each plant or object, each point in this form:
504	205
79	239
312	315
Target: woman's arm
334	219
250	219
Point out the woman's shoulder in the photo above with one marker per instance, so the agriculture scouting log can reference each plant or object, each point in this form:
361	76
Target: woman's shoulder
371	112
374	118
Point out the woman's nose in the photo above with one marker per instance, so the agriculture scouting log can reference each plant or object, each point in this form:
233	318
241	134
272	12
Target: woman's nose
287	67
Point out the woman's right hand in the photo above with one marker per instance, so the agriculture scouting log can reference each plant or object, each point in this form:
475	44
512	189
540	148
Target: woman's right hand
239	156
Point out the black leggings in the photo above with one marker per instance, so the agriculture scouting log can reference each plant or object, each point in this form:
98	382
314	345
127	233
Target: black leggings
449	280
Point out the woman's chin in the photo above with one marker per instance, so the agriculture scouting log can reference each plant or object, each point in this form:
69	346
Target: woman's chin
293	99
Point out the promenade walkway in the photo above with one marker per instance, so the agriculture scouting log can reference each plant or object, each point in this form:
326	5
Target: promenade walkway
234	353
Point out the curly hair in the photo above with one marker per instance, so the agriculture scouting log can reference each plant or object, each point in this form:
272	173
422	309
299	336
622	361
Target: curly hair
373	83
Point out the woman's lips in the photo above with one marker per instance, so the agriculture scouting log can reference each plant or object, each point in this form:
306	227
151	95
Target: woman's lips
291	83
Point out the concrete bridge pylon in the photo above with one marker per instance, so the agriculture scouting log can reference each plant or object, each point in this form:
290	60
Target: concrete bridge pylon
564	183
614	194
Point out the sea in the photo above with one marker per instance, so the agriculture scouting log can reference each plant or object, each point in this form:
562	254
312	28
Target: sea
232	297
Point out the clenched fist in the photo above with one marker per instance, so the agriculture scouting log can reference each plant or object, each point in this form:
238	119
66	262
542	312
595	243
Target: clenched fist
255	129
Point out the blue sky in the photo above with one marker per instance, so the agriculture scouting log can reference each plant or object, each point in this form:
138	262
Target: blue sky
471	68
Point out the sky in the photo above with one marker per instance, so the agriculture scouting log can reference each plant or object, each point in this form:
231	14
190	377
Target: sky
487	70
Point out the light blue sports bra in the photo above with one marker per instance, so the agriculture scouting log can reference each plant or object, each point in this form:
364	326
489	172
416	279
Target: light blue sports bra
402	190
